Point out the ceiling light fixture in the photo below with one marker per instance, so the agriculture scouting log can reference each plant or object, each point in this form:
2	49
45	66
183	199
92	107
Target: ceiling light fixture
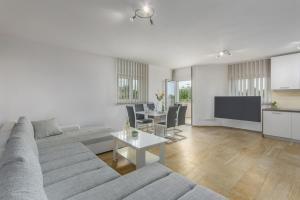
223	53
143	13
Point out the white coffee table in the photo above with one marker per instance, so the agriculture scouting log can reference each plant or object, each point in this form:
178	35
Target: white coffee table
135	150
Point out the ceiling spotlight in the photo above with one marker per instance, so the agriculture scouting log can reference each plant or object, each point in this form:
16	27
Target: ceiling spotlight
143	13
223	53
146	9
152	23
132	18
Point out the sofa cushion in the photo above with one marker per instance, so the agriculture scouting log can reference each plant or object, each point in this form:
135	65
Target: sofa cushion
67	161
125	185
21	180
20	145
17	149
52	154
27	124
5	131
21	175
167	188
59	148
80	183
72	170
20	131
24	131
85	135
201	193
46	128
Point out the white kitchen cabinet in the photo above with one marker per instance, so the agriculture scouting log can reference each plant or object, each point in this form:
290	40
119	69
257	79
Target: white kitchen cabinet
285	72
296	126
277	123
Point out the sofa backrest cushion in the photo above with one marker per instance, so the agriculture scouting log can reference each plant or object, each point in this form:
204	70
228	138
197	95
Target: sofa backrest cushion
46	128
23	129
26	124
18	147
20	172
5	131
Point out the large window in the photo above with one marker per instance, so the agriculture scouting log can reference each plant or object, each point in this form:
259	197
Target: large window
250	79
132	82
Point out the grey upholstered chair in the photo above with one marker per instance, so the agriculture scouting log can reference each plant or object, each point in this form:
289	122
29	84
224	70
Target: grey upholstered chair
178	105
139	107
151	106
136	123
181	115
161	128
180	121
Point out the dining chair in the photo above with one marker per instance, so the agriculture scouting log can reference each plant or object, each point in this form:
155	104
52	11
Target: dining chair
168	125
178	104
181	115
139	107
151	106
136	123
180	121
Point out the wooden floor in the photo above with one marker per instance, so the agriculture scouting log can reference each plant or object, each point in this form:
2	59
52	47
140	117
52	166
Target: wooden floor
238	164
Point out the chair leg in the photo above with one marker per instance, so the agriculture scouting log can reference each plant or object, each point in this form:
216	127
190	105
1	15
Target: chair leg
181	137
173	137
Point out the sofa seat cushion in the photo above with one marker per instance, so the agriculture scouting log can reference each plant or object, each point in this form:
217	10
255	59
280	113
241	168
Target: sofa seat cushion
170	187
201	193
77	184
67	161
61	147
85	135
125	185
72	170
51	154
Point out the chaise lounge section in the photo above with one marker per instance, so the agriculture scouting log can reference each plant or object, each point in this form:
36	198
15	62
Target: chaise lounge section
72	171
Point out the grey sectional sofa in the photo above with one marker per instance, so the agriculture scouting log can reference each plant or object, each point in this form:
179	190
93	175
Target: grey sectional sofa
71	171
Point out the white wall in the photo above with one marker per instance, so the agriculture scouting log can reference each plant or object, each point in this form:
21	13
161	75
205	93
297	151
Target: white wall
208	81
42	81
182	74
157	76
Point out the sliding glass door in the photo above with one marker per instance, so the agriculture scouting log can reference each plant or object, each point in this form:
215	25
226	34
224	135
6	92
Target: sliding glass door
184	97
179	92
171	88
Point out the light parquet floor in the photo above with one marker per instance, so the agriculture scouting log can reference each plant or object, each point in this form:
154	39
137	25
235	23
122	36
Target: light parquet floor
238	164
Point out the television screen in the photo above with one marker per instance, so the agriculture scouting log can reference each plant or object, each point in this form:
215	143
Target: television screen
247	108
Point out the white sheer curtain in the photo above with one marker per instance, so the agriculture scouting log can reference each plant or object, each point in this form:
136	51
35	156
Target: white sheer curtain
252	78
132	81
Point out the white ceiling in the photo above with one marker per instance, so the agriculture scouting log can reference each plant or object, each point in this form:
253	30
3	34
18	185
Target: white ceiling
186	32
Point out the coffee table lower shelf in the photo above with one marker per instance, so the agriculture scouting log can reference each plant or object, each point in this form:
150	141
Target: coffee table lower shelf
130	154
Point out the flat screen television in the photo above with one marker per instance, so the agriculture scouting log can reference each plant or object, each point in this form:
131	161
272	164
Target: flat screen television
247	108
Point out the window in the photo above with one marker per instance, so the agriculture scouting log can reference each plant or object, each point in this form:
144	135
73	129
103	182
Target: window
250	79
132	82
185	92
